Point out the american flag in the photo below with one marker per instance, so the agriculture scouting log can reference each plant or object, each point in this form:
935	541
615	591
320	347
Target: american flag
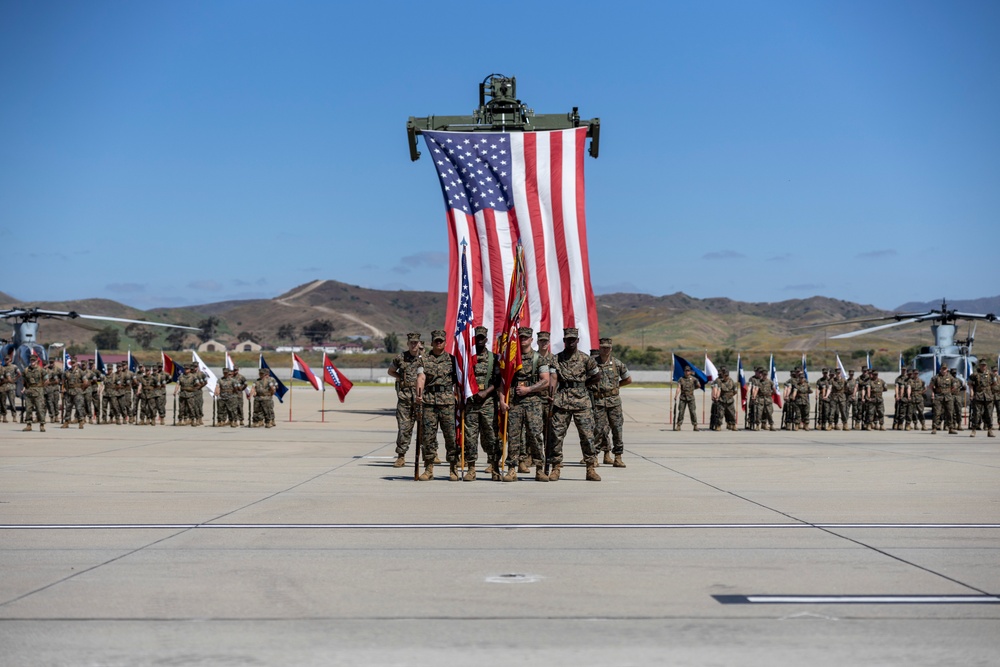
499	187
465	350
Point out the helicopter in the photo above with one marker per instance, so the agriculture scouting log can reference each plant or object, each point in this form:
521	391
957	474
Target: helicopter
24	340
947	351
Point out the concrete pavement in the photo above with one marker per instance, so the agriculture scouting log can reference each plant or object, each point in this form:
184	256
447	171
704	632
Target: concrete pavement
301	545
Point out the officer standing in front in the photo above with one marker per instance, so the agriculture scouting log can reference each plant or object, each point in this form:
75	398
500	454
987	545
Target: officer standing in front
574	371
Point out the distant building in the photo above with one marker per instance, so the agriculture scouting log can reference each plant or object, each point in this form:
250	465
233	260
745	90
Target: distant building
288	348
212	345
246	346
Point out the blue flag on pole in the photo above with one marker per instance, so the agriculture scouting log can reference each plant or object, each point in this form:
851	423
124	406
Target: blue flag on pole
99	363
282	389
680	363
133	365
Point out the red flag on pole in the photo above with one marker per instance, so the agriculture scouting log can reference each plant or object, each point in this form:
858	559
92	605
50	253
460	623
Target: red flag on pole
334	377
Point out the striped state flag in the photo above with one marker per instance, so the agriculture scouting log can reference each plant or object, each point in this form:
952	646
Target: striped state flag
333	376
499	187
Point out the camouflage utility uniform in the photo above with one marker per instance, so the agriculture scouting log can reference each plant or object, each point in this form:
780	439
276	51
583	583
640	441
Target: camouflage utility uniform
439	406
406	367
573	370
263	399
34	396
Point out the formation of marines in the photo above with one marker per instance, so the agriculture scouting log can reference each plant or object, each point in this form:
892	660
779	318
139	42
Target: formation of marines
547	394
83	394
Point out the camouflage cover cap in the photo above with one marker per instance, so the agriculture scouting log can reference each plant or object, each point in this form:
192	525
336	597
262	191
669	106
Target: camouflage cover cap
482	331
605	342
571	332
413	335
438	334
261	371
543	335
525	331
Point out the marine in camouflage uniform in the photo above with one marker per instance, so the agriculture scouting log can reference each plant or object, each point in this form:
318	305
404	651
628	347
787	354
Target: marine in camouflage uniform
823	400
92	393
724	399
225	390
915	407
876	402
525	422
53	390
480	408
240	384
901	394
802	401
124	382
189	387
262	393
74	384
837	394
763	397
436	393
34	394
982	385
9	374
159	394
608	401
957	390
851	393
406	367
686	387
863	417
144	396
941	388
574	371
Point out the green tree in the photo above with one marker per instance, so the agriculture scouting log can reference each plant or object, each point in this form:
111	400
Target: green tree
107	338
208	327
286	332
725	357
317	331
140	333
175	339
391	342
247	335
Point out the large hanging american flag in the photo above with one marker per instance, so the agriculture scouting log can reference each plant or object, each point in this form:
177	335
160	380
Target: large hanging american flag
501	186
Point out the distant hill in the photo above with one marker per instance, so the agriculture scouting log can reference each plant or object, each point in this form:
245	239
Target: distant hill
671	322
989	304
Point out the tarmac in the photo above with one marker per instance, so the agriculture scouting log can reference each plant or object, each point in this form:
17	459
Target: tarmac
302	545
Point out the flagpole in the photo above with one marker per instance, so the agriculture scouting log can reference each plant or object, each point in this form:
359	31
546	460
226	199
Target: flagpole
322	410
291	386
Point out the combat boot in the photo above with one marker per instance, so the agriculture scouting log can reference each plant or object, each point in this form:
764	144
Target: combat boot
81	423
906	428
399	462
524	467
428	472
470	475
618	463
453	472
555	472
592	475
41	427
972	433
436	459
677	427
234	425
27	428
540	475
607	458
511	475
65	425
989	434
489	467
696	428
5	419
952	431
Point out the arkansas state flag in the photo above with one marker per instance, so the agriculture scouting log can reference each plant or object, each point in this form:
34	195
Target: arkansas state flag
334	377
300	371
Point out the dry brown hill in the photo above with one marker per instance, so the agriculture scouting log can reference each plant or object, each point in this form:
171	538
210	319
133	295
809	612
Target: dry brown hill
670	322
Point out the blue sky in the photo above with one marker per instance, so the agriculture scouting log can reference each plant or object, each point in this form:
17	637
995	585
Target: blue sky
171	153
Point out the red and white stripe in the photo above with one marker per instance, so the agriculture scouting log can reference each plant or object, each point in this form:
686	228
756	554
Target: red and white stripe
549	215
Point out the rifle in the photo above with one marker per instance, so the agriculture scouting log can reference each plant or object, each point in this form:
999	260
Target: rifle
215	408
546	437
419	412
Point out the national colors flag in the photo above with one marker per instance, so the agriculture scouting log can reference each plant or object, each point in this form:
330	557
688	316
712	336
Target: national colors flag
334	377
711	372
743	382
465	348
170	367
500	187
280	392
775	392
301	371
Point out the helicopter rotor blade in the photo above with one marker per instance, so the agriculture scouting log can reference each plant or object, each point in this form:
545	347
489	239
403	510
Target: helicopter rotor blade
859	332
898	317
122	319
989	317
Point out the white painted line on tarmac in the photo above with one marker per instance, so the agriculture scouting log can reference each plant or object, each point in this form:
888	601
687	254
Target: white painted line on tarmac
491	526
857	599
